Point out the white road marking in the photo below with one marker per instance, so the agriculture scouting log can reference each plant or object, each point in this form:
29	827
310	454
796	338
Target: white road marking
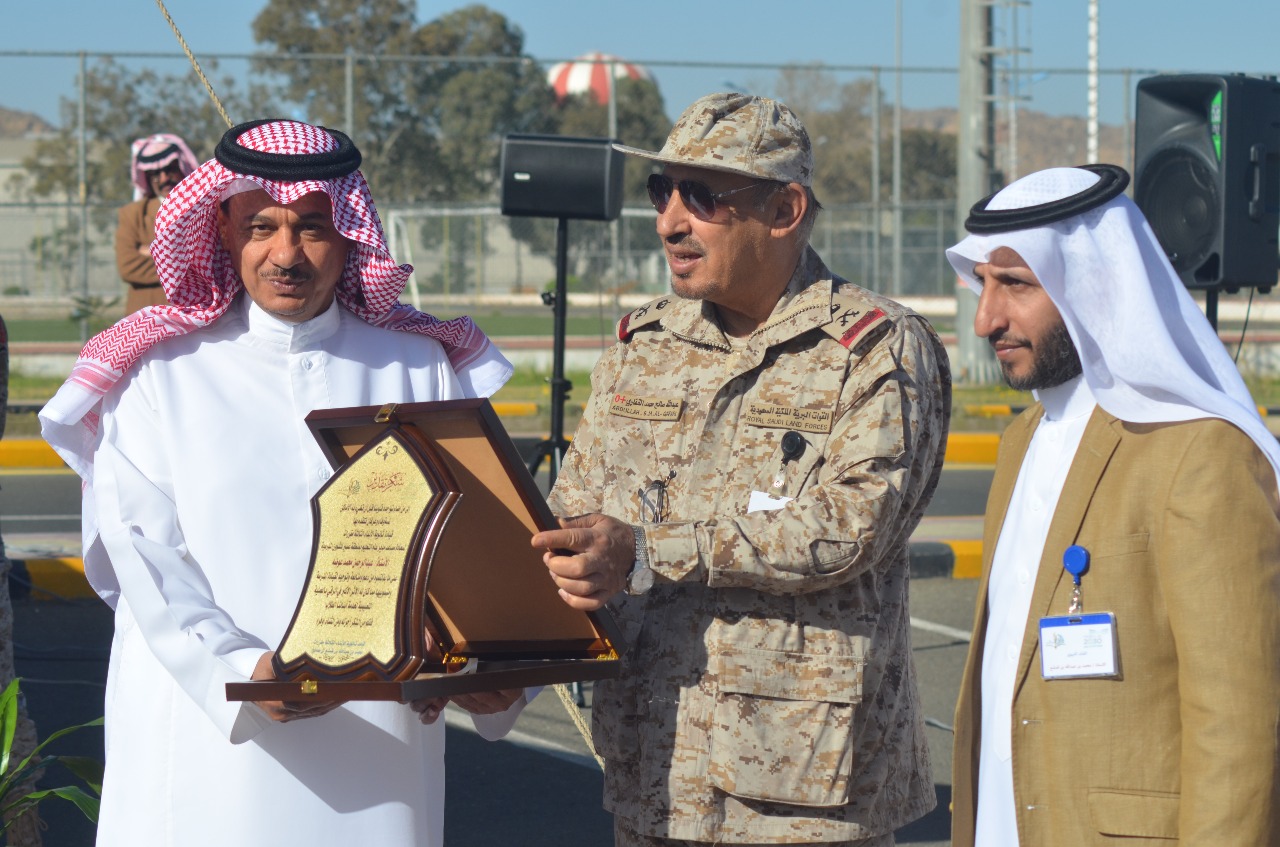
942	629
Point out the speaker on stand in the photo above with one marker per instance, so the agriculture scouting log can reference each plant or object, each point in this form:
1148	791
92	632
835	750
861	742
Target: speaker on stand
561	177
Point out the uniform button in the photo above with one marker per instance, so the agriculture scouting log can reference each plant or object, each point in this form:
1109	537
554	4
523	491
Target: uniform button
1023	577
1053	435
324	473
1011	653
1036	504
306	363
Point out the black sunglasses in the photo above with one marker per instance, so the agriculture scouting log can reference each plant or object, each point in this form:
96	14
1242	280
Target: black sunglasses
697	197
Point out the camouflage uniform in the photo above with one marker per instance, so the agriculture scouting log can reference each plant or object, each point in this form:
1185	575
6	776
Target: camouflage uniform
768	694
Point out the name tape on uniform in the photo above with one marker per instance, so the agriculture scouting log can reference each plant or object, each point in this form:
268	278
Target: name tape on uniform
646	408
785	417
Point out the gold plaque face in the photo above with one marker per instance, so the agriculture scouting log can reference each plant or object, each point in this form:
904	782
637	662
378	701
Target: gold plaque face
367	518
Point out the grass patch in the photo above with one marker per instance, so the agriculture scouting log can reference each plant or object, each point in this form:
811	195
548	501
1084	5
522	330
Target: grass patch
530	386
1265	390
539	323
52	329
32	388
542	323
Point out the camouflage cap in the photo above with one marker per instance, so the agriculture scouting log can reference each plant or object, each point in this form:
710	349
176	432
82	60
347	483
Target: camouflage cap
738	133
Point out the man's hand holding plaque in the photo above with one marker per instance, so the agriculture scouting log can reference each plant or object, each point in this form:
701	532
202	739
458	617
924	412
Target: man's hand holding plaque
478	703
288	710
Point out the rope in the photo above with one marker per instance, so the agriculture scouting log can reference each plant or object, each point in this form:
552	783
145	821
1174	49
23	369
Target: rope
207	86
572	708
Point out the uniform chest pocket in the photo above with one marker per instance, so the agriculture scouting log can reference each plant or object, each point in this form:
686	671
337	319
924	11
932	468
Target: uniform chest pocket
782	726
782	462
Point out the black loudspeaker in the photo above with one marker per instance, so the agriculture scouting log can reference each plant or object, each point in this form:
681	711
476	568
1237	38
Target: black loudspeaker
557	176
1206	154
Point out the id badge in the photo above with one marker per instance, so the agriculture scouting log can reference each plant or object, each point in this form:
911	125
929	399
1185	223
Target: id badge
1079	646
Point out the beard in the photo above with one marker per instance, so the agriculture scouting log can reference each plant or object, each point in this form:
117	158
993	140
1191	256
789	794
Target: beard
1056	361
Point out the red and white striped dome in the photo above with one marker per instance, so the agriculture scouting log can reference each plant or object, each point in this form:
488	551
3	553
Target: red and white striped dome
590	72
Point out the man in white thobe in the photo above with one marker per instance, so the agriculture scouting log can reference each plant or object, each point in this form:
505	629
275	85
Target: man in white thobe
187	424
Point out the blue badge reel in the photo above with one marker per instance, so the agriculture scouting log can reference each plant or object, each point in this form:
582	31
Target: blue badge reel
1078	645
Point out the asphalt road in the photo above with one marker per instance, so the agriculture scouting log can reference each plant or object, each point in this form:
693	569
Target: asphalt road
540	786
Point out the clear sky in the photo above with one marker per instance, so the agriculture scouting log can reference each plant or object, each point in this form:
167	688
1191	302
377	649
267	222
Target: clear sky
1163	35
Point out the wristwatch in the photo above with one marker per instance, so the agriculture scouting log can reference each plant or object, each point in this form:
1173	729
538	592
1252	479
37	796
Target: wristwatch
640	580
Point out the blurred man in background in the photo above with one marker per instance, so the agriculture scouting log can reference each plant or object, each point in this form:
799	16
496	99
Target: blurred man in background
156	164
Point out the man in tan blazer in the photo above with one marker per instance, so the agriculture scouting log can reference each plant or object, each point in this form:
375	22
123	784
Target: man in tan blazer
1145	450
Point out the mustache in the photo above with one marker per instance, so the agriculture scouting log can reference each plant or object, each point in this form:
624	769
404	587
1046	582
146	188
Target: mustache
1004	336
685	241
285	275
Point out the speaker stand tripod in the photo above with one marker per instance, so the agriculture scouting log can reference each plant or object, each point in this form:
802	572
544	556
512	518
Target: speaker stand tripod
552	448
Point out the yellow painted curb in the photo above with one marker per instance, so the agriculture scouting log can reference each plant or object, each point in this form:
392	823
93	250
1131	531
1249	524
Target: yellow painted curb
963	448
968	563
972	448
63	577
516	410
988	410
34	453
28	453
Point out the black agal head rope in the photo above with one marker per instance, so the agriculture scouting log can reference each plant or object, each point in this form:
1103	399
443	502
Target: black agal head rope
983	221
286	167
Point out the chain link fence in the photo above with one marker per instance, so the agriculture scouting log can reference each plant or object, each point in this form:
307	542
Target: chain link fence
56	253
468	250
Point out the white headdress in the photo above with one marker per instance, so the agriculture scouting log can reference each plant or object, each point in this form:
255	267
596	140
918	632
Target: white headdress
1148	352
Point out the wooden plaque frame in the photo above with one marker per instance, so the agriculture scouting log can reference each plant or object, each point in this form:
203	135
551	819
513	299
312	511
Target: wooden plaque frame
472	580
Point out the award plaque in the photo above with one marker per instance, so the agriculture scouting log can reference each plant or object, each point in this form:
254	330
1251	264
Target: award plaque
422	581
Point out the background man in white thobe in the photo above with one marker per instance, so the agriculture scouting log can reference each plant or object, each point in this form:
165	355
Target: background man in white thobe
186	423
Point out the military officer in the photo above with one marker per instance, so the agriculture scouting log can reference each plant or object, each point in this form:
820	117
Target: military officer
757	450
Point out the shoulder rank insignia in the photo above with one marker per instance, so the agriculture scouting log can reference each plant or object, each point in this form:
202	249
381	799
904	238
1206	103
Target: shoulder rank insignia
649	313
851	319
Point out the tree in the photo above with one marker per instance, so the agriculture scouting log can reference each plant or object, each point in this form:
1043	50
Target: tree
928	165
316	87
121	105
838	117
472	106
642	122
429	130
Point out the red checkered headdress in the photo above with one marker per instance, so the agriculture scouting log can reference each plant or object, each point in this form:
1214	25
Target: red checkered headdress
287	159
154	153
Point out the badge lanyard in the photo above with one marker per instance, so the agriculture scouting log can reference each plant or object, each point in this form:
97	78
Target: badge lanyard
1075	561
